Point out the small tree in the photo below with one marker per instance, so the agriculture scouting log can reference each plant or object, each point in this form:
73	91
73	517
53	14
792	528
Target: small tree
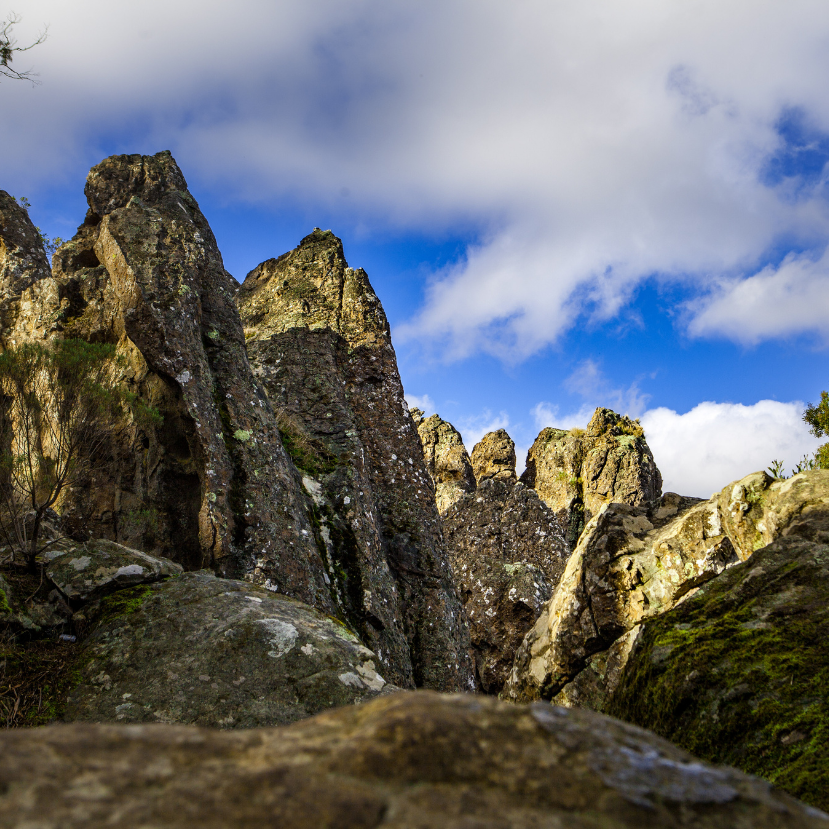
818	419
58	407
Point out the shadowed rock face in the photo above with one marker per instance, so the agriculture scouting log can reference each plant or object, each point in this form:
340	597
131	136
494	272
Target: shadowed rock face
493	456
508	553
218	652
409	761
212	486
318	340
446	459
576	472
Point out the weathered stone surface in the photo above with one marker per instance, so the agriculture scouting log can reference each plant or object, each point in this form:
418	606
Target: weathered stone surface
508	553
319	340
89	571
212	486
446	459
22	257
197	649
739	673
409	761
576	472
493	456
631	563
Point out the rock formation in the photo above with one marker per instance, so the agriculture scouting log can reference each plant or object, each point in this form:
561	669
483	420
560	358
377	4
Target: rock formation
493	456
22	257
409	760
508	553
739	673
319	341
218	652
634	563
447	460
576	472
212	486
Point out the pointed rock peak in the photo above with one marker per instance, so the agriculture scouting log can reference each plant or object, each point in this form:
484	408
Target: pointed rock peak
22	257
494	457
446	459
608	422
312	287
120	178
417	415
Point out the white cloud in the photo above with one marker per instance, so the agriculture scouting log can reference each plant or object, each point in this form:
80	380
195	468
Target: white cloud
547	414
474	427
775	302
701	451
592	145
422	402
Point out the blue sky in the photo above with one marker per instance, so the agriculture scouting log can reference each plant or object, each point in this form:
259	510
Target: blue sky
561	205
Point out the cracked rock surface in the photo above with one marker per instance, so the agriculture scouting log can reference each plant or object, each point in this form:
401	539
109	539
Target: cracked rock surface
318	340
217	652
493	456
409	761
508	554
577	471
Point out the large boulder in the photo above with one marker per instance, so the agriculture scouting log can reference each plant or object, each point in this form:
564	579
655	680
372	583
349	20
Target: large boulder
217	652
446	459
739	673
508	553
493	456
631	563
578	471
319	341
212	485
409	761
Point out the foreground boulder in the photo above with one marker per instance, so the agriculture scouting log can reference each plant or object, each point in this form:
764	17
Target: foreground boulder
318	339
446	459
739	673
508	553
412	760
197	649
578	471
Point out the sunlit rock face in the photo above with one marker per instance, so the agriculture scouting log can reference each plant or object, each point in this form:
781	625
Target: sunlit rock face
211	486
493	456
577	471
739	672
319	342
409	760
446	459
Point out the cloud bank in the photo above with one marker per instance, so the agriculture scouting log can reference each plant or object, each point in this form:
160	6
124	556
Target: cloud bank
587	146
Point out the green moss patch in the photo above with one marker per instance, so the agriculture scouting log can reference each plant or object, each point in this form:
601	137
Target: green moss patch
739	673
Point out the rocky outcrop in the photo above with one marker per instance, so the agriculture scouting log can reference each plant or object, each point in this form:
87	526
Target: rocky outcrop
89	571
447	460
634	563
319	341
631	563
212	486
578	471
23	260
493	456
739	673
217	652
409	760
508	553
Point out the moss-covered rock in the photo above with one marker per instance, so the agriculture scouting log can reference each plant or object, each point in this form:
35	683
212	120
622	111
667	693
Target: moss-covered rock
197	649
739	673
